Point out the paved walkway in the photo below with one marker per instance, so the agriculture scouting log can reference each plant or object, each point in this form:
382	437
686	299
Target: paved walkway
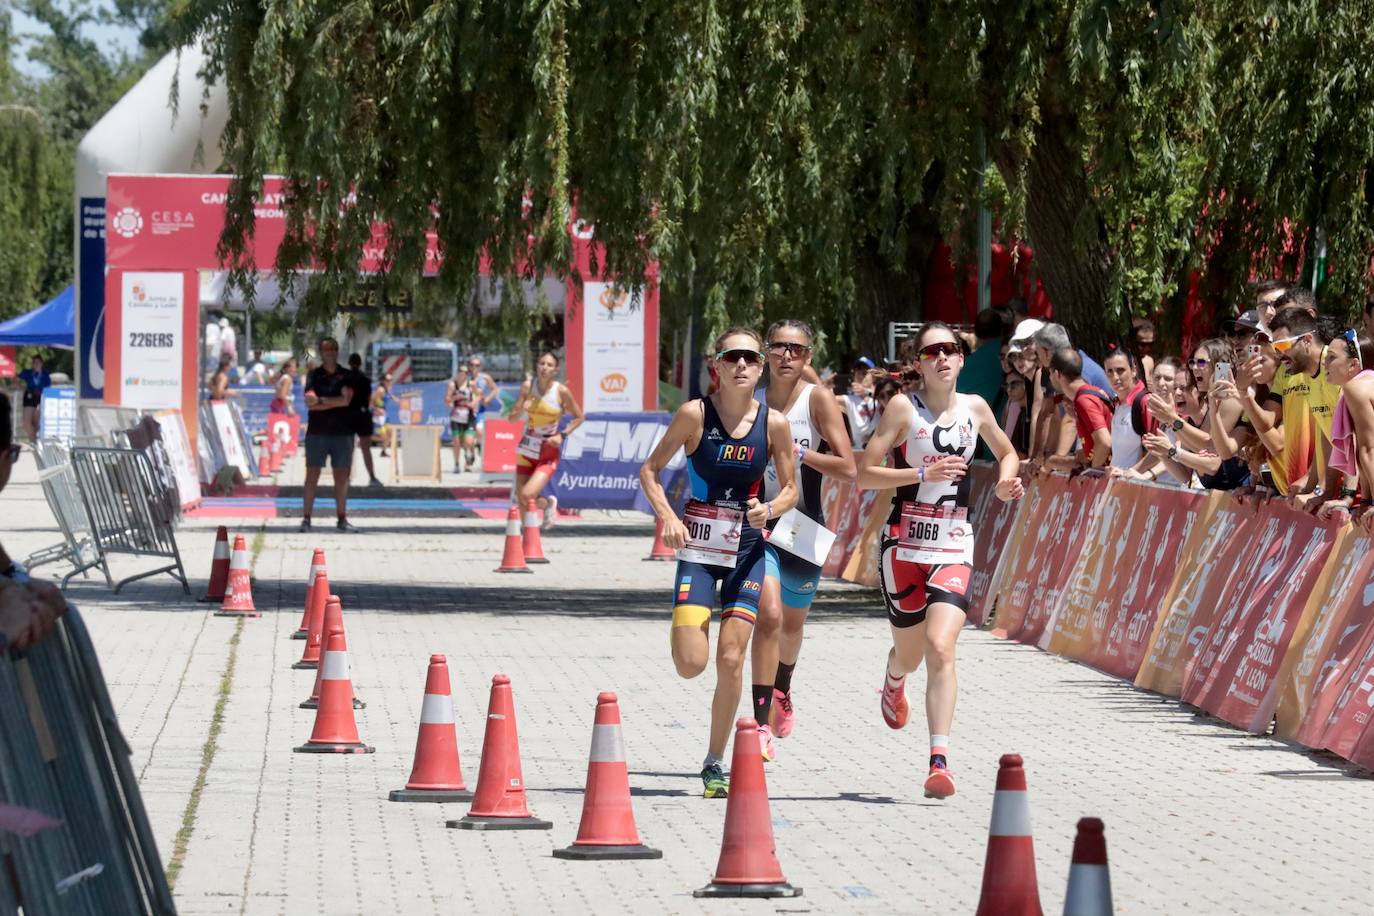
1200	818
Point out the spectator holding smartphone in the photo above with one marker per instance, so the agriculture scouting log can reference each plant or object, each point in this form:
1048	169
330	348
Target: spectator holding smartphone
1210	413
1308	400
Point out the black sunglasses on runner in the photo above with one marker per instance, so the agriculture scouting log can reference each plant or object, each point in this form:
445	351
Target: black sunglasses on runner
752	357
779	347
944	348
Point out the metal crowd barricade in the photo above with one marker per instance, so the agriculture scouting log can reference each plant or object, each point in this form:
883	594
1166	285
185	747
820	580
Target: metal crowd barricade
64	756
78	546
123	501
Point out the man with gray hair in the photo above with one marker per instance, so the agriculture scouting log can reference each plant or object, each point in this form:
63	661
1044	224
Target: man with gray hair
1048	340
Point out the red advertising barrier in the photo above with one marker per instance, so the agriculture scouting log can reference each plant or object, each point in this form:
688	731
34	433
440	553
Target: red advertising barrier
992	534
1122	575
1338	717
285	428
499	439
9	362
1234	676
840	505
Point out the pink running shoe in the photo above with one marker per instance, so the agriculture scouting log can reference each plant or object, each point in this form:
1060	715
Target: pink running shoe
766	743
939	784
782	716
895	707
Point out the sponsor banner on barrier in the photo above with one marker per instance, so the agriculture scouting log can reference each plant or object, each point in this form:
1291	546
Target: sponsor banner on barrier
991	518
599	467
57	418
1086	493
178	446
1019	567
1339	716
499	438
285	428
1325	640
229	440
1235	674
1119	585
840	505
862	566
1217	545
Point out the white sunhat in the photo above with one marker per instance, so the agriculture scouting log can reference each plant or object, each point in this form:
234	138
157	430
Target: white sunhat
1021	337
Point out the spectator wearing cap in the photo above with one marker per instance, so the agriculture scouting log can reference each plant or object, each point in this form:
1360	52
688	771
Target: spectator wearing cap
1307	403
1092	411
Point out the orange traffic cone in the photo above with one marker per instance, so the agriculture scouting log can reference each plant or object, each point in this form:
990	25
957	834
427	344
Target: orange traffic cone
608	827
500	800
1009	885
1090	884
333	623
660	551
316	567
219	568
437	775
336	731
238	602
277	457
310	655
532	546
748	865
514	559
265	458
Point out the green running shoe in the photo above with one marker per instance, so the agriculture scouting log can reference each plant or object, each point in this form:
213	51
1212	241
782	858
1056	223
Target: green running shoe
714	781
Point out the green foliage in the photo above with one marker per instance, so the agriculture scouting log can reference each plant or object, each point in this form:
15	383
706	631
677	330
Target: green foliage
798	156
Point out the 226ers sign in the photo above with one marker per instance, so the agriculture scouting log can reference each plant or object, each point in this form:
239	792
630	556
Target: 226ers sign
935	534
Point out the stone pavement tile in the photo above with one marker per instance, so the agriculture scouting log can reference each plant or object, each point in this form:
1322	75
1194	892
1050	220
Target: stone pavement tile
1200	818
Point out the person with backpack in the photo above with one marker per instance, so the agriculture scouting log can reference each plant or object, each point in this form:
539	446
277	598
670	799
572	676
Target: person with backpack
1131	418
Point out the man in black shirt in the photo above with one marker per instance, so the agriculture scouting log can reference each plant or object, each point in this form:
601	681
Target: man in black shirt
330	430
362	414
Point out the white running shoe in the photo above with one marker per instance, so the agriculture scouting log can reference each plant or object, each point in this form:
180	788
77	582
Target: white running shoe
550	513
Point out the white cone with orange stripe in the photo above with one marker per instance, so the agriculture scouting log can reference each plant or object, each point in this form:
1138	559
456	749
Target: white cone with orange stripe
1009	885
238	600
219	568
607	830
513	561
1090	884
437	775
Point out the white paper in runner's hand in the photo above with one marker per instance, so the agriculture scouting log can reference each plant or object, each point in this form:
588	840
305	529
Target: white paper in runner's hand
803	536
713	534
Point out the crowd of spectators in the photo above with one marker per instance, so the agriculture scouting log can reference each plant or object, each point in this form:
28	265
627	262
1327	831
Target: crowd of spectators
1281	398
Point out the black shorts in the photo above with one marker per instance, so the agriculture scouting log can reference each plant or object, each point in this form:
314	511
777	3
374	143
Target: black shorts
363	426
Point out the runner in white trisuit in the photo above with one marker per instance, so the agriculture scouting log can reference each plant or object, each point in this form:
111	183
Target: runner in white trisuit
928	547
794	571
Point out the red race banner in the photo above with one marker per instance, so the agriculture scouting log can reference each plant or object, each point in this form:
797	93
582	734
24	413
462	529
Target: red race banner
992	533
1319	651
1218	544
1123	574
840	504
1235	674
1060	542
1338	716
9	358
499	439
286	430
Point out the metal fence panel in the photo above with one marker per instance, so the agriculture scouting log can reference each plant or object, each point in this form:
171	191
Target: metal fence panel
60	488
121	494
64	756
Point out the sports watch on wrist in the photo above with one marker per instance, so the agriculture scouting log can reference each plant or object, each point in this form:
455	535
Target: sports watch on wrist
1178	424
1173	451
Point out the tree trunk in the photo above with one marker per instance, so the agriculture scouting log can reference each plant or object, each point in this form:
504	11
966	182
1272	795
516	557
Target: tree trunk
1071	251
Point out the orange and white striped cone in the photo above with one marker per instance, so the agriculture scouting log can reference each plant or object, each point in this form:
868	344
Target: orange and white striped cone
1090	884
336	730
277	449
1009	885
314	640
238	601
333	623
660	551
514	559
219	567
265	458
316	567
499	802
437	774
531	544
607	830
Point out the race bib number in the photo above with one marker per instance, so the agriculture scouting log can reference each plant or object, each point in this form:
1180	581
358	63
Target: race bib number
935	534
713	534
802	536
532	441
461	414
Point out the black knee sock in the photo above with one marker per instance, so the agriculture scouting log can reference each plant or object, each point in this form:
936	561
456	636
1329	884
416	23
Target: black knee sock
783	682
763	702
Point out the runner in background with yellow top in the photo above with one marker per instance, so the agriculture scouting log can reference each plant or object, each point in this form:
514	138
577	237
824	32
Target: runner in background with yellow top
543	401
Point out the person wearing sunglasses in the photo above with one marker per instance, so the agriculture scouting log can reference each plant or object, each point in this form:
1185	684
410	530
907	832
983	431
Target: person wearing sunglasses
1349	363
1206	417
1308	402
797	551
922	448
543	402
729	438
28	608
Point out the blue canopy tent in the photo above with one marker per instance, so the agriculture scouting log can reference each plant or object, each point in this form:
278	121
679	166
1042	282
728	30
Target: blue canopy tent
49	325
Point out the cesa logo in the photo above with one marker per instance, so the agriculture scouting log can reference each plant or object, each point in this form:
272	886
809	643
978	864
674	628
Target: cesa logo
614	382
128	222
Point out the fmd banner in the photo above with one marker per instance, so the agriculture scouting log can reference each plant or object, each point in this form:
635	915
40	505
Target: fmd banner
600	465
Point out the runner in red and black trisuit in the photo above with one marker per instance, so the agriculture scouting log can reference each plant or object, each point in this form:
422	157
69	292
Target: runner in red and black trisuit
928	547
